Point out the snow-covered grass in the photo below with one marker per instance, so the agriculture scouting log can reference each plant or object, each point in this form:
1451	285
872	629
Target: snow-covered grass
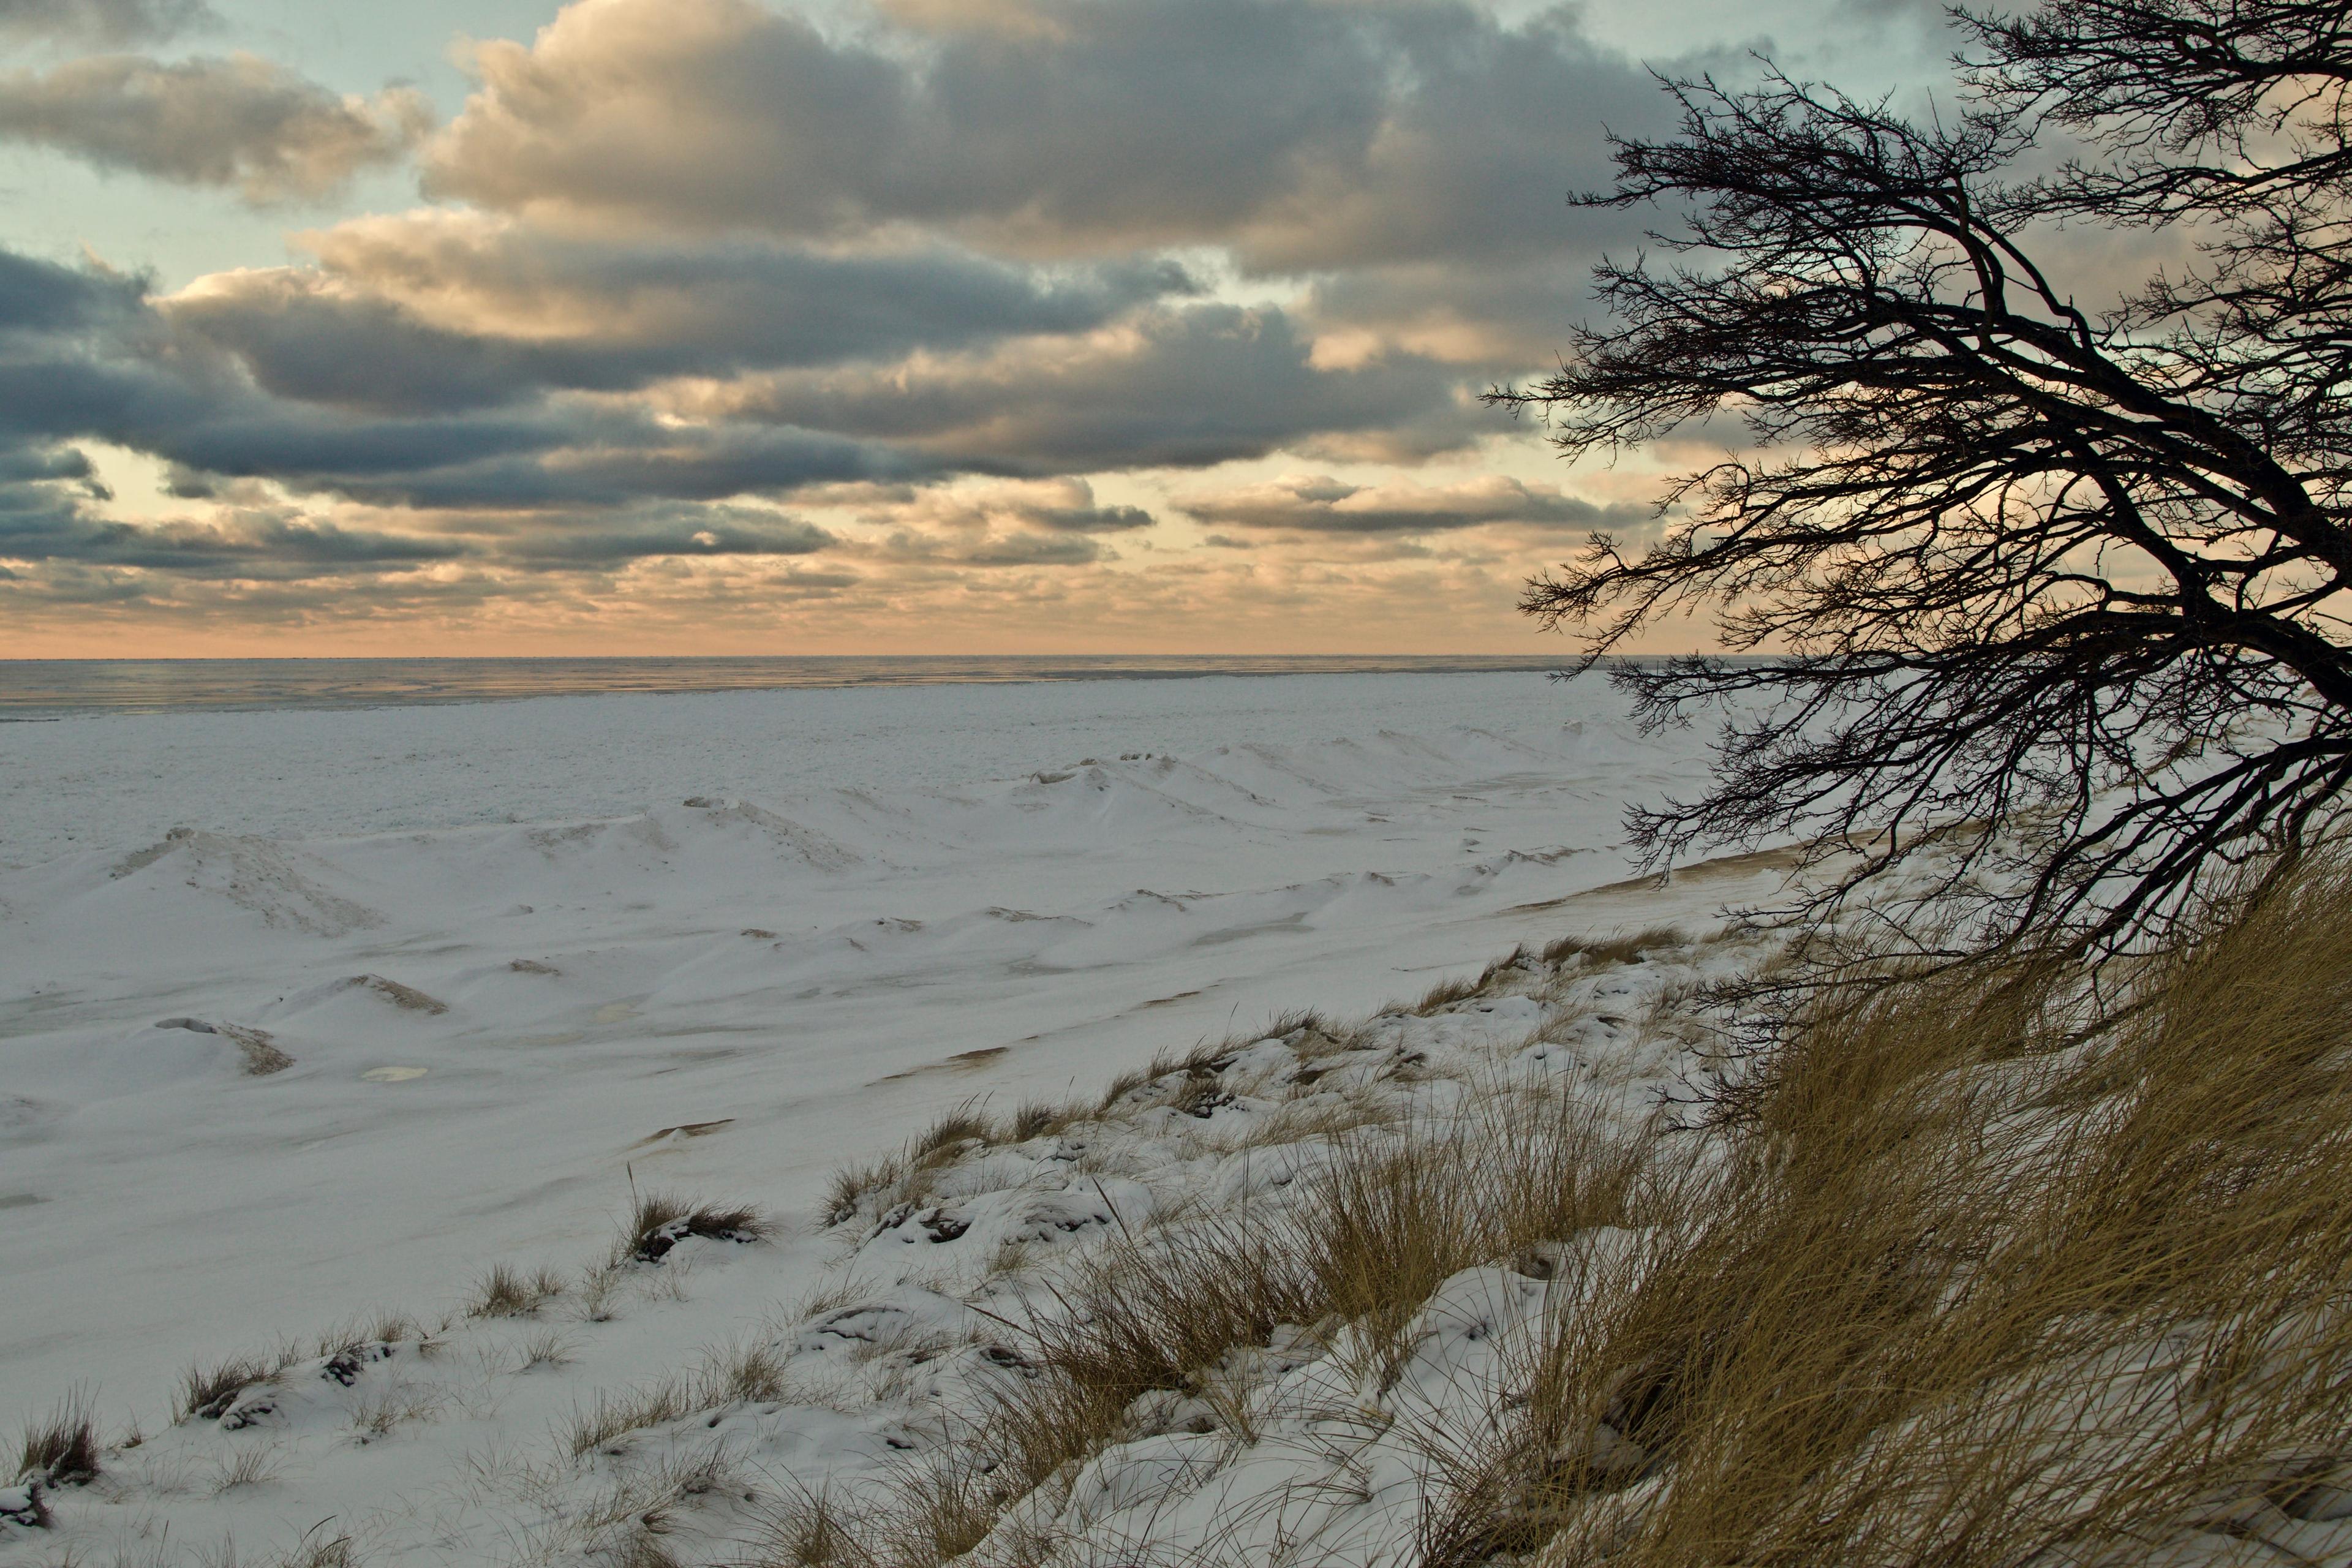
1974	1268
925	1302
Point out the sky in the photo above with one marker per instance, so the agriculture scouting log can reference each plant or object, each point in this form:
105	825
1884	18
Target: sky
333	327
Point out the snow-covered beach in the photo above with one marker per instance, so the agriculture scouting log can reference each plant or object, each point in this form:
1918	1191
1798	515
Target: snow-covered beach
1250	1121
796	924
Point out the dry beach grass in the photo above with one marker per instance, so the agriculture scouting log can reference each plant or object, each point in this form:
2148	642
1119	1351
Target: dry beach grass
1976	1267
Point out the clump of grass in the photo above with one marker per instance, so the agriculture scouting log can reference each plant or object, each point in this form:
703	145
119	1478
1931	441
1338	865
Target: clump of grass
548	1347
1191	1081
258	1048
626	1527
250	1465
1043	1119
959	1126
643	1548
1399	1211
947	1502
815	1529
378	1414
1623	948
615	1415
1297	1021
1446	993
318	1549
911	1175
1124	1086
506	1291
856	1186
750	1373
62	1448
385	1327
657	1222
1310	1034
207	1392
599	1283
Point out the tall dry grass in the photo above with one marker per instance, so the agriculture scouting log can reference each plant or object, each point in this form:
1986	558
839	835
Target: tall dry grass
1361	1240
61	1449
1997	1265
1996	1275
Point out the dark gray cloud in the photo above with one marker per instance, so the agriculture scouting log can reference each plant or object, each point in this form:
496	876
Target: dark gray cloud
1091	518
242	546
577	488
44	521
442	313
1300	135
1182	387
88	356
590	541
553	457
1323	505
109	23
996	549
243	123
84	355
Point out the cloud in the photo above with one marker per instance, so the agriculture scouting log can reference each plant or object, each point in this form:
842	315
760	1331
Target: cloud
1048	522
112	23
1301	136
84	355
1046	506
1932	14
242	121
1006	550
722	311
704	531
1325	505
1498	320
46	520
450	310
234	544
1183	386
213	384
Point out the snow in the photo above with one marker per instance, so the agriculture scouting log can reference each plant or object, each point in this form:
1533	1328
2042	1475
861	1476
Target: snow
453	1443
294	1024
297	1075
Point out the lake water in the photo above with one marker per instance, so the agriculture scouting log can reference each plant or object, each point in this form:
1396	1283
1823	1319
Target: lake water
51	688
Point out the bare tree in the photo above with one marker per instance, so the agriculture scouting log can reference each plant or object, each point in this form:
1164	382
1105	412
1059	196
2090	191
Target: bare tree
2064	586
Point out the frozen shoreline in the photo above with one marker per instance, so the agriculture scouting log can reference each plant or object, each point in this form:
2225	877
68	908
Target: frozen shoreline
116	781
923	938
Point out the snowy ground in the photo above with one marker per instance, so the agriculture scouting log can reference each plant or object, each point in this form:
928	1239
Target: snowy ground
877	904
685	1410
